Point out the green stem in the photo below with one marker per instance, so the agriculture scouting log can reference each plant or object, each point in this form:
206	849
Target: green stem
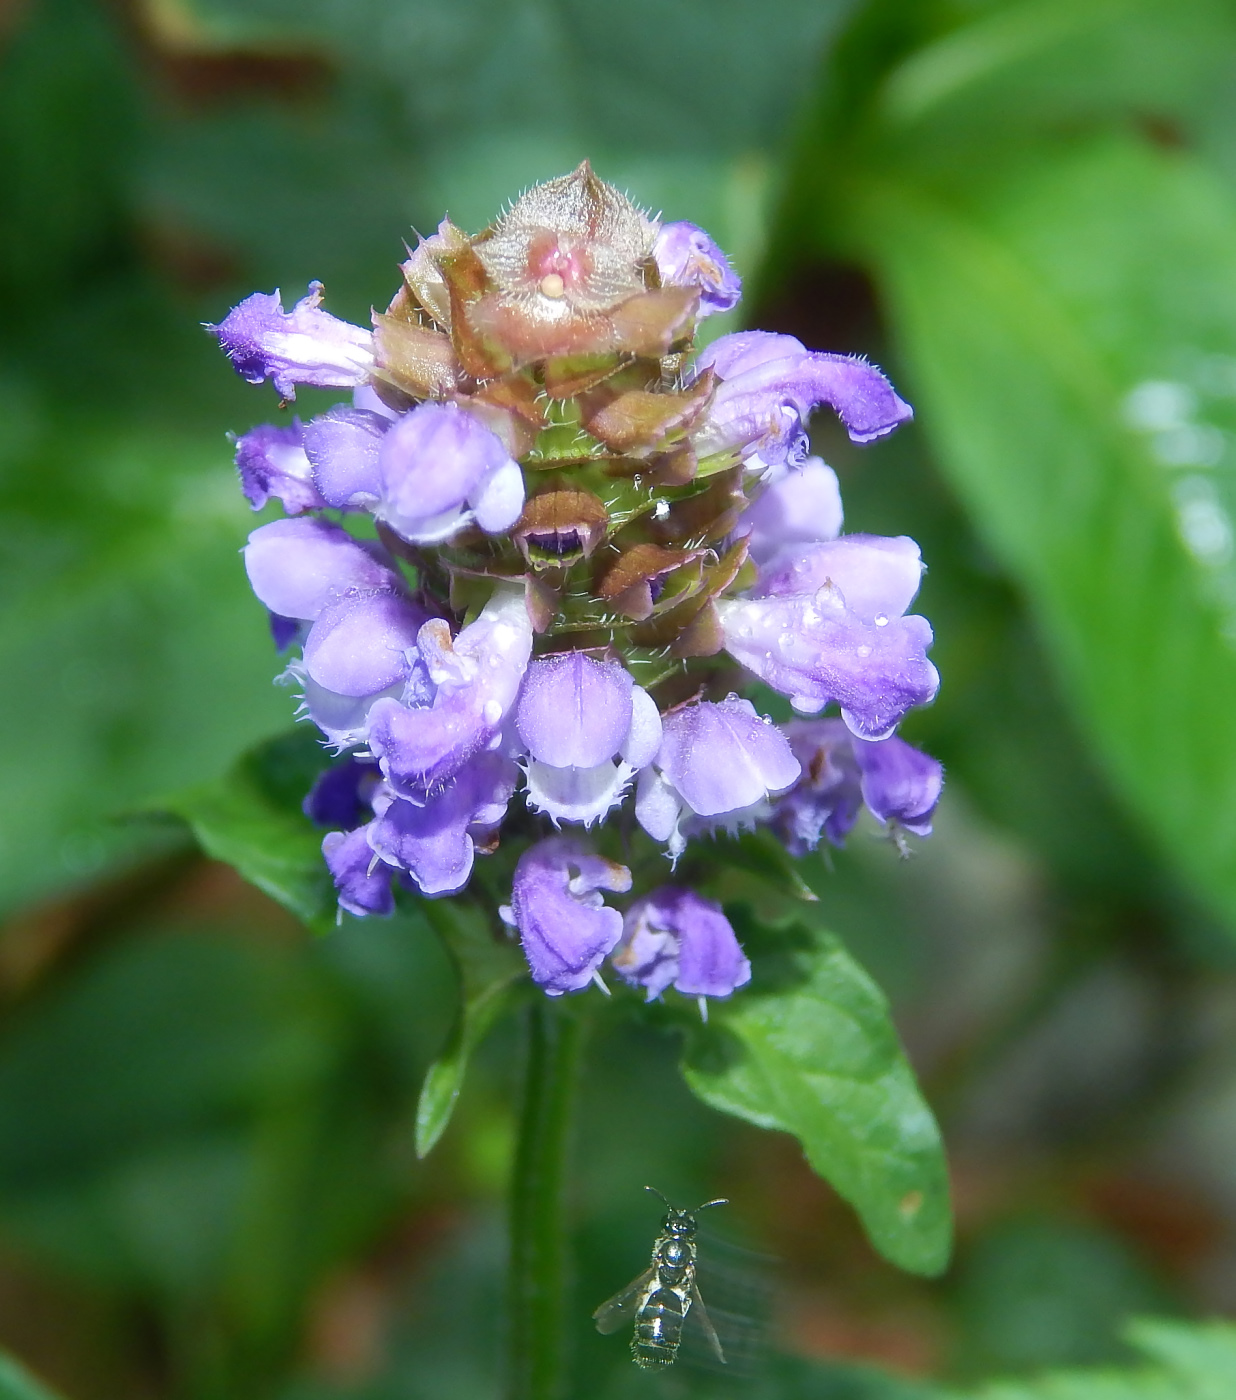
538	1206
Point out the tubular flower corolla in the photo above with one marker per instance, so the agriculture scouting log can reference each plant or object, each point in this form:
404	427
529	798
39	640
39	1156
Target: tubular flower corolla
513	561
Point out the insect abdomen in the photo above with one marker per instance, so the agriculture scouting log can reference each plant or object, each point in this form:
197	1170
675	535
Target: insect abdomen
658	1328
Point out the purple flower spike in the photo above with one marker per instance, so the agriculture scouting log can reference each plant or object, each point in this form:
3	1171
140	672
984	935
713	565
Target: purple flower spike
341	447
271	461
297	567
303	346
716	761
435	841
801	507
807	640
363	882
771	383
442	469
897	783
564	925
475	680
687	257
674	937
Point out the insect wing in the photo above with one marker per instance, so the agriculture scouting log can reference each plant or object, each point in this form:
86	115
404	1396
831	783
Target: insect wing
619	1310
705	1322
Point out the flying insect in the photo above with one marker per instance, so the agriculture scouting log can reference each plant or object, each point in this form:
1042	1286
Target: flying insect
659	1300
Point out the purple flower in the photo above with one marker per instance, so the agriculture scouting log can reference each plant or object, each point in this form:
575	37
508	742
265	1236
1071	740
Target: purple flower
297	567
360	651
770	384
687	257
440	469
716	761
674	937
303	346
576	715
473	681
341	447
342	795
271	461
362	881
898	784
564	925
803	506
434	840
826	625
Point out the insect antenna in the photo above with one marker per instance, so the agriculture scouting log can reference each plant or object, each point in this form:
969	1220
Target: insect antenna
722	1201
655	1192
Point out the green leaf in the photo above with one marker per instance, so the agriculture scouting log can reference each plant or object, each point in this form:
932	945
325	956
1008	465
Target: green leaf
488	973
252	819
16	1383
1194	1361
816	1055
1034	316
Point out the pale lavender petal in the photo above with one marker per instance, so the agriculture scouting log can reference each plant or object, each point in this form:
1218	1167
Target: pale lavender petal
723	757
900	783
297	567
564	925
342	448
575	711
811	649
687	257
271	461
437	463
359	645
582	795
643	739
802	507
877	576
363	882
303	346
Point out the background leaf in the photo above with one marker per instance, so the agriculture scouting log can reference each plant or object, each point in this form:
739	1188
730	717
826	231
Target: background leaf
817	1056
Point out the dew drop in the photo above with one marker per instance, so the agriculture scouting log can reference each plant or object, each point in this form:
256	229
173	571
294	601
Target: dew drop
493	710
881	620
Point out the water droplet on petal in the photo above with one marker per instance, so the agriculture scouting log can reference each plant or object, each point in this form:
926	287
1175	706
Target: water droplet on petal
881	620
493	710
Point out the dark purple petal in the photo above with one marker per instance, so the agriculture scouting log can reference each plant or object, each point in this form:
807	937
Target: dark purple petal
476	676
825	802
359	645
564	926
441	469
575	711
303	346
811	649
283	630
363	882
801	507
297	567
341	795
724	757
434	841
271	461
341	446
900	783
876	576
687	257
674	937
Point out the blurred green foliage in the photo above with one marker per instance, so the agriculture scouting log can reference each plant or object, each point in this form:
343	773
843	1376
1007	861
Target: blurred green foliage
210	1122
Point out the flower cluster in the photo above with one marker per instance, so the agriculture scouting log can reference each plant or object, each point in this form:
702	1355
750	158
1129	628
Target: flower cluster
537	550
